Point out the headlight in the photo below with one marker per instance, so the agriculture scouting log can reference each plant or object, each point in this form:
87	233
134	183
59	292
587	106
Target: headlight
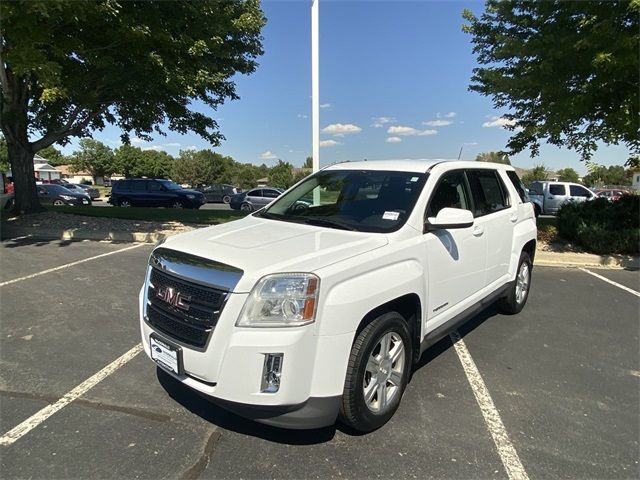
67	197
281	300
190	197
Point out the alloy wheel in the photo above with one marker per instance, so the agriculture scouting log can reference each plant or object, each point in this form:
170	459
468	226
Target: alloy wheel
522	282
384	372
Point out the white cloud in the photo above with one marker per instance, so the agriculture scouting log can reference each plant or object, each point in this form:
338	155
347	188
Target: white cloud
157	148
438	123
470	143
409	131
341	129
172	144
190	147
302	115
393	140
446	115
137	141
498	122
329	143
325	105
379	122
268	155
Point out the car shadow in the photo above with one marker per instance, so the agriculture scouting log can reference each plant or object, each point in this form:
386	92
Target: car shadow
31	241
213	413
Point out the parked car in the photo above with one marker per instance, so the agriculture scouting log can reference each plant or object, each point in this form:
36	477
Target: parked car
7	198
51	193
92	193
143	192
218	192
548	197
296	316
254	199
89	190
611	193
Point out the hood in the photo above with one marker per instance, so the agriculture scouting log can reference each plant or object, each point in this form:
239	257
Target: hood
261	246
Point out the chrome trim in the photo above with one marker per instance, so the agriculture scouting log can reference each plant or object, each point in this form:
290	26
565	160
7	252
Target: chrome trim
196	269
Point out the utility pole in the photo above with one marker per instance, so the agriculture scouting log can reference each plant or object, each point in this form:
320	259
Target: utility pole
315	91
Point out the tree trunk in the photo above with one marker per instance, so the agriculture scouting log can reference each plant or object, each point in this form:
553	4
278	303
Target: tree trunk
24	179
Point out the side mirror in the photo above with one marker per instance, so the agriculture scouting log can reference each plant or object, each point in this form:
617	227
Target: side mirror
449	218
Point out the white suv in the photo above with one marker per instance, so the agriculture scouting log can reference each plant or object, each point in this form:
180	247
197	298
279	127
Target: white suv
318	305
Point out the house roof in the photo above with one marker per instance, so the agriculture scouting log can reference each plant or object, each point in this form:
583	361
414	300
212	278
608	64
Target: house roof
44	167
68	171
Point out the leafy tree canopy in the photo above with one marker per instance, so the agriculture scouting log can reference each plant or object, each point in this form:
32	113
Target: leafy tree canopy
68	68
93	157
537	173
4	156
308	163
495	157
281	175
53	156
566	70
614	175
568	175
131	161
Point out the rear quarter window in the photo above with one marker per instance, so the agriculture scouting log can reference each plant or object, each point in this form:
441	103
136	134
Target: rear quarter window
488	192
517	183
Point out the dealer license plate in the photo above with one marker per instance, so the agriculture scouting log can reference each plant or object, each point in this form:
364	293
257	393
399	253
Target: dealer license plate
167	356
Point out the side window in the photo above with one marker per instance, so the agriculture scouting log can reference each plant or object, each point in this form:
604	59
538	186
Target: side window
536	188
271	193
154	187
451	192
578	191
488	192
255	193
557	190
139	185
515	180
124	185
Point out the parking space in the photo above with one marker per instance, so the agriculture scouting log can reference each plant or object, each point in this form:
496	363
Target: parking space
563	376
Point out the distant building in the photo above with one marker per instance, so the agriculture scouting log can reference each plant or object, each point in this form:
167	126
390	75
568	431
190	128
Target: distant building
635	184
43	171
74	177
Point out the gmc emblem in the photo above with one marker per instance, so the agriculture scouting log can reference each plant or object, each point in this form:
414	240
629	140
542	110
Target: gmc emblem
176	299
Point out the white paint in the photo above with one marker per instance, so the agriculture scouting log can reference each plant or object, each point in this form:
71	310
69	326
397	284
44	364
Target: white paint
605	279
492	419
67	265
36	419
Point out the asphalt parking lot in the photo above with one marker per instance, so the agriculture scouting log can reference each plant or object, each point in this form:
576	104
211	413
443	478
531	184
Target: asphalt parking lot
563	377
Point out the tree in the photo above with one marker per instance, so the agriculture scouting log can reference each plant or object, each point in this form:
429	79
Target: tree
614	175
568	175
68	68
495	157
281	175
308	163
4	156
537	173
53	156
93	157
132	161
567	70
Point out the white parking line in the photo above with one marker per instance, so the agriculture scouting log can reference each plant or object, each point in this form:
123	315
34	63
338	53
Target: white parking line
492	419
33	275
627	289
39	417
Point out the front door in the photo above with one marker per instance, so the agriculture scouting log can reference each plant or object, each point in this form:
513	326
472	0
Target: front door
456	258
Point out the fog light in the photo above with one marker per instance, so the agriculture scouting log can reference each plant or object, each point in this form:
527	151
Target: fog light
271	372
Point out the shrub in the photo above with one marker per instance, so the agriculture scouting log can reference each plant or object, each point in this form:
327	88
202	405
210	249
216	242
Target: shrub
602	226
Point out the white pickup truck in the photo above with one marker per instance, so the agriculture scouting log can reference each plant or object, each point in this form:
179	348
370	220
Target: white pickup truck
548	197
317	306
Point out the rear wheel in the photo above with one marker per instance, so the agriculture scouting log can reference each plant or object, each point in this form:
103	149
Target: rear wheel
177	204
124	202
58	203
377	373
519	290
226	199
246	207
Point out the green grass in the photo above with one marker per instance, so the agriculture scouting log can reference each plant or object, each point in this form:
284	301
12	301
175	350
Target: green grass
154	214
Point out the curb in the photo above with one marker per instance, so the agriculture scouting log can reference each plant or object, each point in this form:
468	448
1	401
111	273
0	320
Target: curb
542	258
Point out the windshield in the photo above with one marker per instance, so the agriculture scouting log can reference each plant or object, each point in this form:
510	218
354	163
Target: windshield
57	189
169	185
360	200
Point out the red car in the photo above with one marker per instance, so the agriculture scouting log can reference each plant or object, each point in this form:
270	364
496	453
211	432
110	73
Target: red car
611	193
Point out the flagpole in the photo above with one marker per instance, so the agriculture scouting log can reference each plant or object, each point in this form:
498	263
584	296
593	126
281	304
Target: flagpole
315	91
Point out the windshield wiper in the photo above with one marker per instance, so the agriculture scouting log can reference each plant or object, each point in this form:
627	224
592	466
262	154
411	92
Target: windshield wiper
324	222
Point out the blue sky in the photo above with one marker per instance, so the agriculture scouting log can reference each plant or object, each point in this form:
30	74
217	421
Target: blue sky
394	79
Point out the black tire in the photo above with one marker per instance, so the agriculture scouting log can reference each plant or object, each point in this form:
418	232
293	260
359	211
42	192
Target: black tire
514	302
124	202
246	207
536	210
355	411
177	204
226	199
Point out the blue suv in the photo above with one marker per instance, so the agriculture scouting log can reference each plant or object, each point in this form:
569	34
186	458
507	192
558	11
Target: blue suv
150	192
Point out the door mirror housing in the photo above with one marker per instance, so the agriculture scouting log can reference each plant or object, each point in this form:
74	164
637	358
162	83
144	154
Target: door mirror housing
449	218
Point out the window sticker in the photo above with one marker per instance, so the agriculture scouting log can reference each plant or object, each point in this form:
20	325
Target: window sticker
414	179
391	215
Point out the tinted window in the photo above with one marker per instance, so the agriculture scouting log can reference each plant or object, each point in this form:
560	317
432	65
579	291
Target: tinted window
451	192
123	185
255	193
536	188
56	189
488	192
578	191
139	185
154	187
515	180
271	193
169	185
557	190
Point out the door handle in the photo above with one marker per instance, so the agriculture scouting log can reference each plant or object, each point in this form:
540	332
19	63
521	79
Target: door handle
478	231
514	217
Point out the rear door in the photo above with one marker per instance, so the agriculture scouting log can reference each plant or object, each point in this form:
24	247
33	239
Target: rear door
139	193
268	196
555	197
496	214
254	197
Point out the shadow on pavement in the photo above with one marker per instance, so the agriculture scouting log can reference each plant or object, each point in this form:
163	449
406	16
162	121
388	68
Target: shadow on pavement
38	242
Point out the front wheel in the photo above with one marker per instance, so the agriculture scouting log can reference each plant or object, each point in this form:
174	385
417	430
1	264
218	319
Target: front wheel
58	203
177	204
377	373
519	289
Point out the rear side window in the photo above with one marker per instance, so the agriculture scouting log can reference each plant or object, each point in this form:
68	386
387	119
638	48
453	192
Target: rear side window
578	191
488	192
123	185
557	190
255	193
515	180
271	193
139	186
